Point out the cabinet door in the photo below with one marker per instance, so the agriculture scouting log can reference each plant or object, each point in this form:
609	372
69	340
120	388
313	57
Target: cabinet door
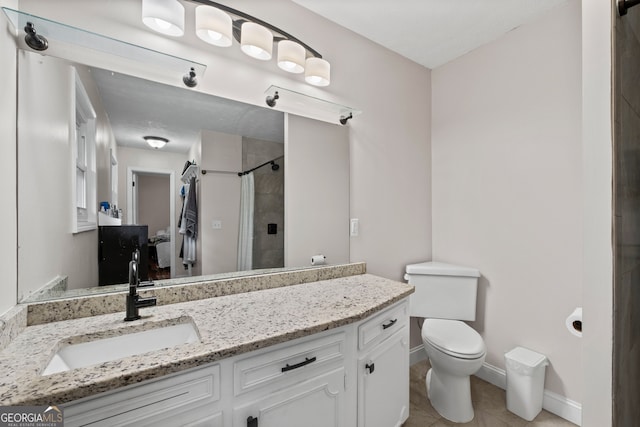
383	383
317	402
176	400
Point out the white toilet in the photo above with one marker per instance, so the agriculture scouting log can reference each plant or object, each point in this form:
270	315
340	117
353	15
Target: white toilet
445	295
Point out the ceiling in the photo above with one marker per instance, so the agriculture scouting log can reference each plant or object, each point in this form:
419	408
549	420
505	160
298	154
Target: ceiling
430	32
138	107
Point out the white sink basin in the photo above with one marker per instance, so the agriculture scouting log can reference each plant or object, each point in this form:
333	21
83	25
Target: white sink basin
79	355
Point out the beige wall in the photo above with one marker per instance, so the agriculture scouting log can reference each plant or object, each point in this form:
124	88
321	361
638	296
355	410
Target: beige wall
153	202
45	205
316	214
8	253
507	187
220	201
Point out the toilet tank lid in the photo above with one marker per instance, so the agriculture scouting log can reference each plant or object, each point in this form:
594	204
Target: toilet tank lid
434	268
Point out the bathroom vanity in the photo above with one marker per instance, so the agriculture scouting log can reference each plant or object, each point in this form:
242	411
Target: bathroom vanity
325	353
312	381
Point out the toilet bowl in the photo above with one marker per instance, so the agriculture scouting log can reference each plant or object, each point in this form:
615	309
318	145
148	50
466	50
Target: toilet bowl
455	352
445	295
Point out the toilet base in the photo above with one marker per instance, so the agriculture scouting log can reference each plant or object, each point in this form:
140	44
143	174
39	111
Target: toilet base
450	396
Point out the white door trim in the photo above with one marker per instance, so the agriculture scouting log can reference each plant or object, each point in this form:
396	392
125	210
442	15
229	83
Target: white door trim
131	171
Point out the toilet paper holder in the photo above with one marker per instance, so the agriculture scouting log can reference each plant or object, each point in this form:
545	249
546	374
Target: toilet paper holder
577	325
574	322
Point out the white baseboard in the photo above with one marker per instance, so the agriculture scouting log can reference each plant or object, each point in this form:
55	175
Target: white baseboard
552	402
493	375
417	354
561	406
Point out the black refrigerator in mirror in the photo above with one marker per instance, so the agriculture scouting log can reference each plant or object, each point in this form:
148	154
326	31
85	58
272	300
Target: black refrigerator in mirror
116	245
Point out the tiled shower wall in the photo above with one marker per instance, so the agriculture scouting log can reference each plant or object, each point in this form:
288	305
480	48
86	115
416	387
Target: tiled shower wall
268	249
626	334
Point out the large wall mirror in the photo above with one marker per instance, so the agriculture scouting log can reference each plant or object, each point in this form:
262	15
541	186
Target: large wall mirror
91	189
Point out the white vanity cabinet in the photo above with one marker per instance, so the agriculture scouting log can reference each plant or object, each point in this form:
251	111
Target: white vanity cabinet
180	399
323	380
383	369
301	384
315	402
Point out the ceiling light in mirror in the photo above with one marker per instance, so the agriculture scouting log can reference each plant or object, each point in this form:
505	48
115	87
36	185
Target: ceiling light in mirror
164	16
317	72
256	41
156	141
213	26
291	56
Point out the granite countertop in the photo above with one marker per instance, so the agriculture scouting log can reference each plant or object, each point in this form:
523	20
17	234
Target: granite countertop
228	326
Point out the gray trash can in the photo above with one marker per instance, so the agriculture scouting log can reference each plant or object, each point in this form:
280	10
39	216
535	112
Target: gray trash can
525	382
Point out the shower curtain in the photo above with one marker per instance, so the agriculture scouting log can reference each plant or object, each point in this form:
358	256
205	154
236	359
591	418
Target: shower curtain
245	235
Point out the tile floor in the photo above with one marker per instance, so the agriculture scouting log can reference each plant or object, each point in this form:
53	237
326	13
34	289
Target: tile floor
489	403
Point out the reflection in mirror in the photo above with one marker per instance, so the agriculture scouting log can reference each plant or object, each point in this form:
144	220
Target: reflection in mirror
91	190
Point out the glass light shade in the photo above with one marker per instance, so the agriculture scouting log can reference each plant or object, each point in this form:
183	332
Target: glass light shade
317	72
291	56
164	16
213	26
256	41
156	141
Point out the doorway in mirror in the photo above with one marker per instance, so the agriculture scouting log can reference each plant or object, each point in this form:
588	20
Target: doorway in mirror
153	209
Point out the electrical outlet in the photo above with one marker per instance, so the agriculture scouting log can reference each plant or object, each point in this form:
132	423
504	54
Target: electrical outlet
217	224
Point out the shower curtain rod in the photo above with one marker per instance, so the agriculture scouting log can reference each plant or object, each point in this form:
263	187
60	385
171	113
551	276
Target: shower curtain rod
259	166
205	171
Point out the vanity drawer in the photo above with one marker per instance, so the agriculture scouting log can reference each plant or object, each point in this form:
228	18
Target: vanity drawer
275	368
383	325
145	403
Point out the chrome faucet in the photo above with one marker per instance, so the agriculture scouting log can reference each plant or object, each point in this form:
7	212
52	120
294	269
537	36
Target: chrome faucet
134	301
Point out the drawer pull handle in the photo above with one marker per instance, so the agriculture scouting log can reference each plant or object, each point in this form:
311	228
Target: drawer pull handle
370	367
298	365
390	324
252	422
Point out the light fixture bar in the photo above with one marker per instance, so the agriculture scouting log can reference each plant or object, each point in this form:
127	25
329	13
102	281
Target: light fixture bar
280	35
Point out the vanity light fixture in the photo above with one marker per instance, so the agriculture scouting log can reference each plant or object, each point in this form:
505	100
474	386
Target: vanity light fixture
218	24
164	16
256	41
291	56
156	141
214	26
318	72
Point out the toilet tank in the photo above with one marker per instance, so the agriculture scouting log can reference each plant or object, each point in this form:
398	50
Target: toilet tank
443	291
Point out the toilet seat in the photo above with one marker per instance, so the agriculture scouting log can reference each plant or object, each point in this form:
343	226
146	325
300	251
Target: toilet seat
453	337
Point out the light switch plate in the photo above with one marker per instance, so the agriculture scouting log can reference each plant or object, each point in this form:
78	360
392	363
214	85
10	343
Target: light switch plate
354	227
